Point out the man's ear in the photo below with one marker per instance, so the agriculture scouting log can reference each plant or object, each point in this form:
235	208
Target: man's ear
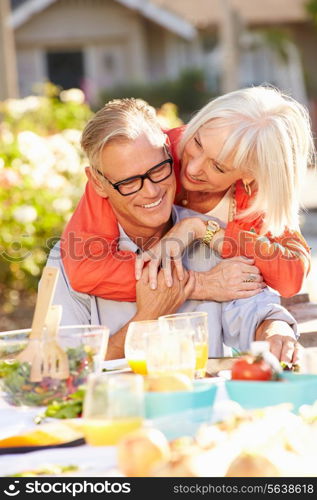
96	183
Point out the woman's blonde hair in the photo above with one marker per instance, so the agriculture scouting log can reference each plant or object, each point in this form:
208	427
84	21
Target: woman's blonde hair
271	141
120	120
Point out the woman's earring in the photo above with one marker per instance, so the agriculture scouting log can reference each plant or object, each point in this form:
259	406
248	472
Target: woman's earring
247	188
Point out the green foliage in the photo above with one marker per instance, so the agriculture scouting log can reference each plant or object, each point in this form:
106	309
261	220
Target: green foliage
47	114
311	8
41	180
277	39
188	92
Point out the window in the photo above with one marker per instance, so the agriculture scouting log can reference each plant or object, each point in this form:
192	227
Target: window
65	68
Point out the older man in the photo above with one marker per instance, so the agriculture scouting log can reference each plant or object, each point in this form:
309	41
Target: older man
131	166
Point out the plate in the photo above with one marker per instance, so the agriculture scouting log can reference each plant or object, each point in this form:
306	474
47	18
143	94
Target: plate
225	374
91	460
215	365
27	449
115	365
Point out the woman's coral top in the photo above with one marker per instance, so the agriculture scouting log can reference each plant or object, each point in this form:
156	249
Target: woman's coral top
96	266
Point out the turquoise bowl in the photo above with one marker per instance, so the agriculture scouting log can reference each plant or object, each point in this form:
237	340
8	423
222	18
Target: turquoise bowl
184	423
297	389
158	404
179	414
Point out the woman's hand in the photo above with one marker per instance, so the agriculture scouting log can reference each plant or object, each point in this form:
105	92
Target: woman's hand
169	249
231	279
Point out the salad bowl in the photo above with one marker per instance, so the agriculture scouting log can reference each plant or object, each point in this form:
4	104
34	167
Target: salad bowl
85	347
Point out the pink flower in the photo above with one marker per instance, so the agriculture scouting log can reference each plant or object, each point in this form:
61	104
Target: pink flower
8	178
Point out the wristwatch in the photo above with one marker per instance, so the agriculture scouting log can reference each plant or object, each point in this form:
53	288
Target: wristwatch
212	227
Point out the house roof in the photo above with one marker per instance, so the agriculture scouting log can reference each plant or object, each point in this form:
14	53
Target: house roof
23	10
205	13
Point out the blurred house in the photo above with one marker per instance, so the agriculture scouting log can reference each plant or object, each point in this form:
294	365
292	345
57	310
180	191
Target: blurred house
97	44
277	39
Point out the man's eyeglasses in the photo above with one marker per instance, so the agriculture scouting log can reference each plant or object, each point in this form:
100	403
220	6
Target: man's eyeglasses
132	185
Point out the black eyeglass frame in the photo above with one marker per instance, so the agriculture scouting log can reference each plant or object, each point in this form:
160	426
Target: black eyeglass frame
142	177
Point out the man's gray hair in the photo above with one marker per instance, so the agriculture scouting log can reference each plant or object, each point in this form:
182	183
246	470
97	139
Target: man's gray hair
120	120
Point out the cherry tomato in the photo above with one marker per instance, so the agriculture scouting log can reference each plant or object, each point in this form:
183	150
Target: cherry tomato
249	368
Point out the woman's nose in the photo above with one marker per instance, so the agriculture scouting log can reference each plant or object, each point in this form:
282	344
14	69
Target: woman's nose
195	165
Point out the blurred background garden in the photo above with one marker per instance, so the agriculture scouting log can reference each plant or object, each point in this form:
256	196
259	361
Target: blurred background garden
60	60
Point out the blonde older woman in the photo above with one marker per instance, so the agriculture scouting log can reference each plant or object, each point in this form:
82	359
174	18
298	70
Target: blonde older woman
240	160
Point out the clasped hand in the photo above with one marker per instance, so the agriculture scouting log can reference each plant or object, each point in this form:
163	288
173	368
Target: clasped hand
229	280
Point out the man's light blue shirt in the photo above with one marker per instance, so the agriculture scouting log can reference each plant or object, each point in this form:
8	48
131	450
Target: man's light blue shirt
231	324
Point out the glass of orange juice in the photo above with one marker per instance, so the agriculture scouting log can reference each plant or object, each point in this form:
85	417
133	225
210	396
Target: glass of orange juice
169	351
197	324
113	406
135	344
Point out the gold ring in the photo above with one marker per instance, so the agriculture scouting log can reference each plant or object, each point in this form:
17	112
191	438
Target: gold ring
252	277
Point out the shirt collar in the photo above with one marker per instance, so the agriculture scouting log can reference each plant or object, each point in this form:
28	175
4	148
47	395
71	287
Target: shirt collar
125	243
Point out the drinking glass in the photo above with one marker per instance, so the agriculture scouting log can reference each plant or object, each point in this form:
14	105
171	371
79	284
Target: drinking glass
135	344
169	351
113	406
197	324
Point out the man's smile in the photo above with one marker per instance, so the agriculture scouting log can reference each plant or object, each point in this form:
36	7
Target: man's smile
154	204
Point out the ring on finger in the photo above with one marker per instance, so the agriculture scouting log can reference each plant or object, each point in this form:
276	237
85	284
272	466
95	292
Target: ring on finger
251	278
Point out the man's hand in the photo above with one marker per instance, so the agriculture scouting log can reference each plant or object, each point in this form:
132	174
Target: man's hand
164	300
226	281
151	304
281	338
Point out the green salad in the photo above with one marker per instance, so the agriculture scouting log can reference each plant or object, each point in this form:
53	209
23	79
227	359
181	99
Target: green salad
70	407
49	470
290	367
19	390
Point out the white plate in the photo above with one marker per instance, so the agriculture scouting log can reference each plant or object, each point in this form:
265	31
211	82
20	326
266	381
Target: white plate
115	364
91	460
226	374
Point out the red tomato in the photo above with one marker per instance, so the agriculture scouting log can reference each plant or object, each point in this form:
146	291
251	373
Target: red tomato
249	368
